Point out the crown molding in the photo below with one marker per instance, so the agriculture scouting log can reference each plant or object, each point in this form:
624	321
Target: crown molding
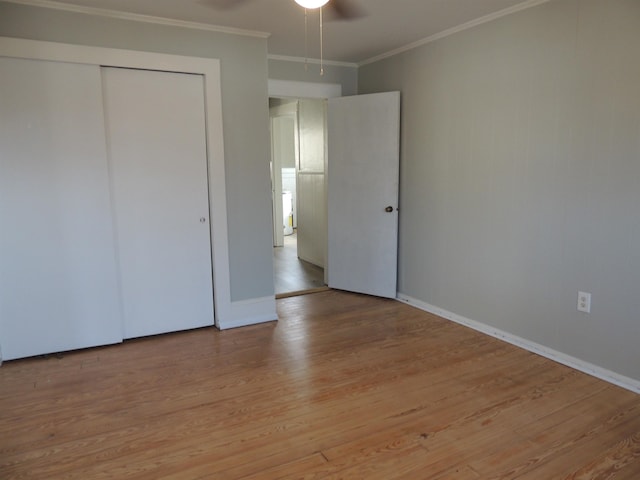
451	31
252	33
139	17
315	61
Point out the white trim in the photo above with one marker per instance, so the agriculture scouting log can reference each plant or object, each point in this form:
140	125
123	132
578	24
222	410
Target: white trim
255	33
315	61
585	367
288	88
250	312
451	31
136	17
210	69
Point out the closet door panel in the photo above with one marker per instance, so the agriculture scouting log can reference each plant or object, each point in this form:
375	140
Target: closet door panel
58	278
158	161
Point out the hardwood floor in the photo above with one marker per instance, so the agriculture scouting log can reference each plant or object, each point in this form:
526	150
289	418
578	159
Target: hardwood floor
292	274
343	386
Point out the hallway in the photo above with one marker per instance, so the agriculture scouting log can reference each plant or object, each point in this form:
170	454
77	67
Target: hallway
292	274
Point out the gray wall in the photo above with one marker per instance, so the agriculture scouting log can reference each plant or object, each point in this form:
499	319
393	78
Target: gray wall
245	117
520	180
295	71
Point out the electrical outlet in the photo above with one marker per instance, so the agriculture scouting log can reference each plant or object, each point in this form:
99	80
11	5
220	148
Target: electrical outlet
584	302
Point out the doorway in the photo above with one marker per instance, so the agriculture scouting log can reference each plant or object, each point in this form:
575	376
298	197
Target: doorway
298	172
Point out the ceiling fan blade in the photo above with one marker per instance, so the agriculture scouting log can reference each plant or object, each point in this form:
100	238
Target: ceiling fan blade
346	9
223	4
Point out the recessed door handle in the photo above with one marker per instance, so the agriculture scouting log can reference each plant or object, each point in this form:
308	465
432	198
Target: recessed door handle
389	209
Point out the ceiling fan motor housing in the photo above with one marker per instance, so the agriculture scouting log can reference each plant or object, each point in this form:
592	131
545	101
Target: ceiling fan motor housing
311	4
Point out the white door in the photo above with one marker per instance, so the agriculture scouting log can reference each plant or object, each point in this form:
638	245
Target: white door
362	199
58	279
158	160
311	182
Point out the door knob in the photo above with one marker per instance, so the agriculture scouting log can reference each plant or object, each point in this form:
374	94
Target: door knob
202	219
389	209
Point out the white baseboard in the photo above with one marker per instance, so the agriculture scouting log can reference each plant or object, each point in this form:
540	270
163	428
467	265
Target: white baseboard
249	312
568	360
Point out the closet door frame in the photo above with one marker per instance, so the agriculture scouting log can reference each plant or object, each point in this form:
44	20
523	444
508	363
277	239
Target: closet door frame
210	70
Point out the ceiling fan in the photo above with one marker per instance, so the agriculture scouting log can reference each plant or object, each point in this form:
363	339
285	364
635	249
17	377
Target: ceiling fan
338	9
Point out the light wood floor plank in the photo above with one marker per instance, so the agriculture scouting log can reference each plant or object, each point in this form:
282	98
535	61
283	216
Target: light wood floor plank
343	386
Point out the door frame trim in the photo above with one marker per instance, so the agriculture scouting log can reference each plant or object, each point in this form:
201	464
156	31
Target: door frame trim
210	69
294	89
298	90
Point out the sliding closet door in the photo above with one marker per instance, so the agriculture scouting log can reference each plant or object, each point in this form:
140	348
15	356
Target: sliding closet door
158	160
58	281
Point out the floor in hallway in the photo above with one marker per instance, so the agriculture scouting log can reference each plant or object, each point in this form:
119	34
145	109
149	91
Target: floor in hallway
292	274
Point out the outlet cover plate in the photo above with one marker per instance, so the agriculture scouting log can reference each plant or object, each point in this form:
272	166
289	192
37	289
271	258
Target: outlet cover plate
584	302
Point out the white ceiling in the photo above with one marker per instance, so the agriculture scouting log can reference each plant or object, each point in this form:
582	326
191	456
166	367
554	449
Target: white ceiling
388	25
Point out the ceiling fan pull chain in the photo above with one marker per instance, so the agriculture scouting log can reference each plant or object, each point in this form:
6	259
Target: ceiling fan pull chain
321	46
306	40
